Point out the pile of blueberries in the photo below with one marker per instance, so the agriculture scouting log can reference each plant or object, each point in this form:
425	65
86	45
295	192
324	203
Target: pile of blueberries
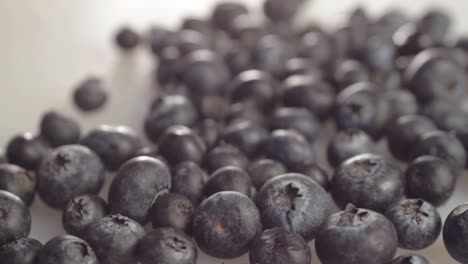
234	167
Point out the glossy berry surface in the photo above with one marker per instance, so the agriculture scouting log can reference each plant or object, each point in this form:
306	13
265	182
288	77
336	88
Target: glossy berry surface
20	251
348	143
224	155
417	222
26	151
67	250
225	224
15	219
229	178
410	259
263	170
18	181
90	95
180	143
58	130
188	179
172	210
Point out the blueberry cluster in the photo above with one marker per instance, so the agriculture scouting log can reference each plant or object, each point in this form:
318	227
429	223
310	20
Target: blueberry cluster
236	163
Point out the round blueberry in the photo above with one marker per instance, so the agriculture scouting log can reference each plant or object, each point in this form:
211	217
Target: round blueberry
126	38
455	234
15	218
270	53
350	72
180	143
169	67
410	259
401	102
159	38
225	13
299	119
58	130
20	251
263	170
436	25
66	249
172	210
188	179
18	181
228	178
278	10
315	46
90	95
379	54
245	135
26	151
347	144
224	155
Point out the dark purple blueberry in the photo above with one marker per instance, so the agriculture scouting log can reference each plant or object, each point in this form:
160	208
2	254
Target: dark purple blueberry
26	151
180	143
350	237
69	171
209	130
359	27
18	181
90	94
225	13
436	25
166	246
15	218
263	170
288	147
224	155
20	251
197	24
169	67
66	249
254	85
294	202
228	178
379	54
136	186
172	210
212	106
127	39
456	235
369	181
410	259
225	224
270	53
58	130
81	212
430	178
189	41
278	10
405	132
245	135
277	245
314	172
238	60
349	72
115	238
391	21
348	143
410	41
152	152
160	38
401	102
417	222
113	144
247	31
298	119
315	47
188	179
168	111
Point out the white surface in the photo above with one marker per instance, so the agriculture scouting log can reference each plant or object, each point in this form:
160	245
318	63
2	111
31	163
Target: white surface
47	46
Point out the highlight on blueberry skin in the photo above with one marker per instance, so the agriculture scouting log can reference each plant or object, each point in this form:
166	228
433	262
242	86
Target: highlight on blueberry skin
456	235
67	249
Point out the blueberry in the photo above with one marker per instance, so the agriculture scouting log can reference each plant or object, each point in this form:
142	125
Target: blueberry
168	111
188	179
172	210
277	245
225	155
58	130
245	135
254	85
359	27
379	54
350	237
180	143
270	53
410	41
298	119
67	172
228	179
349	72
369	181
295	202
113	144
263	170
410	259
167	246
431	179
115	238
302	67
152	152
66	250
170	66
443	145
455	234
81	212
245	111
197	24
391	21
348	143
209	130
436	25
90	94
225	13
418	224
18	181
26	151
15	219
316	47
136	186
189	41
238	60
288	147
314	172
160	38
405	132
401	102
20	251
278	10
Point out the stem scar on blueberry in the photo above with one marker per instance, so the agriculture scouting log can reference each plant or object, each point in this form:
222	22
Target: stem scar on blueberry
177	244
221	226
414	209
288	195
183	209
62	160
78	208
77	250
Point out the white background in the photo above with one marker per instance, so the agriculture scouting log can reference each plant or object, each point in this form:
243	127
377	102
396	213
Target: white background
47	46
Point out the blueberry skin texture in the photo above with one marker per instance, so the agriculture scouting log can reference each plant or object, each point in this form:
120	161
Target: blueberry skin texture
180	143
26	151
405	132
225	224
455	233
299	119
90	95
245	135
127	39
443	145
136	186
168	111
113	144
115	238
277	246
288	147
350	237
294	202
69	171
263	170
167	246
188	179
20	251
347	144
172	210
58	130
410	259
15	218
369	181
66	249
430	178
315	172
81	212
224	155
417	222
229	178
18	181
